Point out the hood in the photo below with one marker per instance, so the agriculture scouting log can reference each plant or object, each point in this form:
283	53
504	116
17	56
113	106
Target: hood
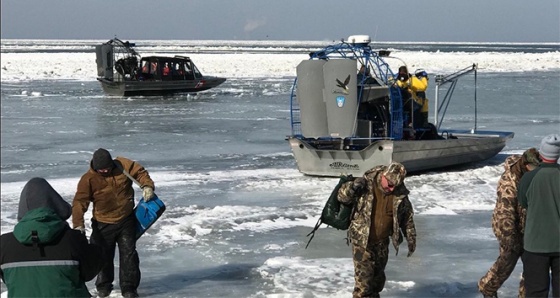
515	166
45	221
511	160
38	193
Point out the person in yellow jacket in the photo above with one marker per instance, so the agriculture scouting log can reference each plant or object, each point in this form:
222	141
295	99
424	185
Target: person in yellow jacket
414	87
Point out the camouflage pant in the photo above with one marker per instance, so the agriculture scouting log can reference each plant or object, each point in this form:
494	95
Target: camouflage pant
500	271
369	269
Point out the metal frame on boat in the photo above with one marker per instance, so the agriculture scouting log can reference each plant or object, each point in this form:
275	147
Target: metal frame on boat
346	120
123	72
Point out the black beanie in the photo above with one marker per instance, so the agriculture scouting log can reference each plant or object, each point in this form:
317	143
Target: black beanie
102	159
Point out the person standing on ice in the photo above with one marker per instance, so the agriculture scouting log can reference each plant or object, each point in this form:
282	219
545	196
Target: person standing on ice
113	221
508	221
382	212
43	256
539	193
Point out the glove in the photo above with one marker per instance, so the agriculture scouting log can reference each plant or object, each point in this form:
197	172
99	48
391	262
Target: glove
81	229
411	248
359	185
147	193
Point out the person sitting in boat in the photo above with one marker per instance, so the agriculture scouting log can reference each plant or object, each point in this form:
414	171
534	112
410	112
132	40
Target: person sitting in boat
145	67
153	68
414	87
166	69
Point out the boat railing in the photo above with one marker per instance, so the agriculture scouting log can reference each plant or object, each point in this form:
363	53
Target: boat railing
349	143
295	115
478	134
441	108
376	67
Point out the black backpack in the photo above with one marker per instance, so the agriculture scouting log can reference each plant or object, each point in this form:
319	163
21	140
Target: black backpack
335	214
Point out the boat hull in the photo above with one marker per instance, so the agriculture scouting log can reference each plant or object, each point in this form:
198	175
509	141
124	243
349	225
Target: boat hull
416	155
149	88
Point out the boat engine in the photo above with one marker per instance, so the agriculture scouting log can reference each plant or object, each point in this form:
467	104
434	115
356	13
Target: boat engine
104	59
127	66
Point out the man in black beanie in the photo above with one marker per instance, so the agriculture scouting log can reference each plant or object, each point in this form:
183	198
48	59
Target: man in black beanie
102	160
113	220
539	194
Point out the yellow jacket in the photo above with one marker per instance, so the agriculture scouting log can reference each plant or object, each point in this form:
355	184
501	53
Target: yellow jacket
414	85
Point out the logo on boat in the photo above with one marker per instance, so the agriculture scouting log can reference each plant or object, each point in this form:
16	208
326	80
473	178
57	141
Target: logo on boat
340	101
200	84
338	165
343	86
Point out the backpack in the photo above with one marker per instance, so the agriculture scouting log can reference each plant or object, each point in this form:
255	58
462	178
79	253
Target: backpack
335	214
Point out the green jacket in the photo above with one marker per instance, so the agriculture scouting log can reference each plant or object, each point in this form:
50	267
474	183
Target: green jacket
43	257
539	193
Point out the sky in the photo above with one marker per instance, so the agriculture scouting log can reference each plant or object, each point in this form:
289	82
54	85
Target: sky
405	20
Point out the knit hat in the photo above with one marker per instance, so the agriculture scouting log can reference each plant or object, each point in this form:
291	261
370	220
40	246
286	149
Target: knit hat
101	160
531	156
550	147
395	173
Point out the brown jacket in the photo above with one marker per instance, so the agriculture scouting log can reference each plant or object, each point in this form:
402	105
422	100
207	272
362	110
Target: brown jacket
112	195
401	212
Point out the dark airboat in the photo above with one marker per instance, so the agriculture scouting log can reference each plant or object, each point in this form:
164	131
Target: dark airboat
123	72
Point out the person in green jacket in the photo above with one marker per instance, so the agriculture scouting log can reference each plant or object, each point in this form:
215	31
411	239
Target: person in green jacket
539	193
43	256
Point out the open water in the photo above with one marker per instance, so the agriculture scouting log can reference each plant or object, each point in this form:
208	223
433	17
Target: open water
238	211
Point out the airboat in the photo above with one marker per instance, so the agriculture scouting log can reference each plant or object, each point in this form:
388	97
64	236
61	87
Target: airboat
346	121
123	72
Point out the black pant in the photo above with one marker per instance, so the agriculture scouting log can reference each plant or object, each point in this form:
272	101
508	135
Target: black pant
108	236
537	269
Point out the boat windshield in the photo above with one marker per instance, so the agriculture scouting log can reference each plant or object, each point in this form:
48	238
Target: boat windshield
164	68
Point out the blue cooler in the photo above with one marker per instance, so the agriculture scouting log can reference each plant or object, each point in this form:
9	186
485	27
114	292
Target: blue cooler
147	213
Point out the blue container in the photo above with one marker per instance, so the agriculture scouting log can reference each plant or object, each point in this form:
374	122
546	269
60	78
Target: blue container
147	213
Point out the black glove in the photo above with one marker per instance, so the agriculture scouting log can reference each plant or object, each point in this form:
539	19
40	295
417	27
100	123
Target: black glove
359	186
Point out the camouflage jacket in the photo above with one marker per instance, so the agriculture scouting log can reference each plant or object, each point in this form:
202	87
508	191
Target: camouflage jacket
508	219
403	222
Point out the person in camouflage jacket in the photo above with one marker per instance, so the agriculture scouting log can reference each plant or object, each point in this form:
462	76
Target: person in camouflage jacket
382	211
508	222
